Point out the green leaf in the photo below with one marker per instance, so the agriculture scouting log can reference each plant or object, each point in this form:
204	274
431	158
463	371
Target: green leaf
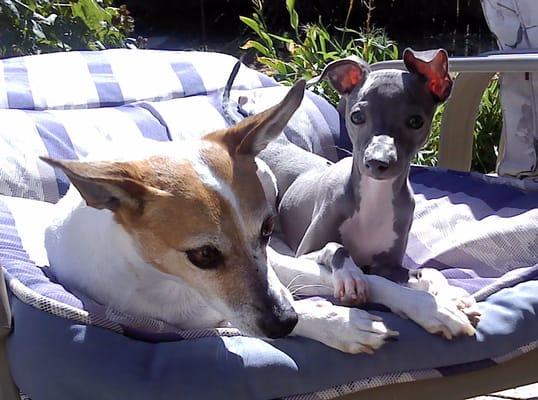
252	44
91	14
267	39
281	38
290	5
294	19
251	24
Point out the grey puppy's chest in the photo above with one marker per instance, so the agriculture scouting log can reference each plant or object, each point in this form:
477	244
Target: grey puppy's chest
370	230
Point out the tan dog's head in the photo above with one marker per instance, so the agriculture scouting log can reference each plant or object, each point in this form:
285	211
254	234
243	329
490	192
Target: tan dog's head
199	212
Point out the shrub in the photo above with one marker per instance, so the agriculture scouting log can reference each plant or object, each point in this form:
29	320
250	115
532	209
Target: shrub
40	26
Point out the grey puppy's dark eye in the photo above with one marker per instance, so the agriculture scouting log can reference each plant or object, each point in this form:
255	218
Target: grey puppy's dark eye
415	122
205	257
357	117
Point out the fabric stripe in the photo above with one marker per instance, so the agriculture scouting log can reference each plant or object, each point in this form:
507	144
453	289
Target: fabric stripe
190	80
328	121
186	118
266	81
149	125
60	82
19	93
143	74
22	174
454	182
18	266
108	89
319	112
57	142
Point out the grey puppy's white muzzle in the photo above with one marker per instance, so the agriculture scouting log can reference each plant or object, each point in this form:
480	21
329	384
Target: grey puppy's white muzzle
379	155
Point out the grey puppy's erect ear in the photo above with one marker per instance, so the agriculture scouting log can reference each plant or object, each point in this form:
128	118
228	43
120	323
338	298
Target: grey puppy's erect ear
344	75
432	65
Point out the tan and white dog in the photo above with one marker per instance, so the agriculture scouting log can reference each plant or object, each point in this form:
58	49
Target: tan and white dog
179	232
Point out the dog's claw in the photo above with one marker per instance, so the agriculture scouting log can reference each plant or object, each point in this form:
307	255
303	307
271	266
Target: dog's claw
349	286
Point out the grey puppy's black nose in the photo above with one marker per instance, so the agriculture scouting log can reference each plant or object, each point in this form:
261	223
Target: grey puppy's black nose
278	324
376	166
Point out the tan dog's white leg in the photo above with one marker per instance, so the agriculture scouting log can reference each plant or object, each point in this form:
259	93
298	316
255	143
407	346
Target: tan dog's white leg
346	284
350	330
435	314
347	329
435	283
302	276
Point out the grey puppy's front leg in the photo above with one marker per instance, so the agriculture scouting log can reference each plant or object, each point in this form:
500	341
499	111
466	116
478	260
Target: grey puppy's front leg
347	283
348	279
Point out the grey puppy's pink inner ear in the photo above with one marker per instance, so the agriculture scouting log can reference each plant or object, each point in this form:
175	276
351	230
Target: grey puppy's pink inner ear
433	66
346	74
346	77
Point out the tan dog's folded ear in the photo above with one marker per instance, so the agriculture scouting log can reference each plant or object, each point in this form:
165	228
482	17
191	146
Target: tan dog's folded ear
254	133
344	75
432	65
104	184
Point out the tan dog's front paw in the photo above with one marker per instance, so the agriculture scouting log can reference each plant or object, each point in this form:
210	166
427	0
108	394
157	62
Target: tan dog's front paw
346	329
349	286
438	314
467	305
434	282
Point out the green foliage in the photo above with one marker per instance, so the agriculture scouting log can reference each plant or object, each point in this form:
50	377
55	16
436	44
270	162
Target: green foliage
486	133
305	50
40	26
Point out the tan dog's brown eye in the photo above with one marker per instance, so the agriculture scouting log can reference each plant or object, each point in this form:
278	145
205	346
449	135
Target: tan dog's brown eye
415	122
267	228
205	257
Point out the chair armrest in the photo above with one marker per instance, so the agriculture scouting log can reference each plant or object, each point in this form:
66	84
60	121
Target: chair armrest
8	390
489	62
459	118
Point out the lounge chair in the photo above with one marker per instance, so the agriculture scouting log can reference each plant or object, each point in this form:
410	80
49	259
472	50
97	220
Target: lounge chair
481	231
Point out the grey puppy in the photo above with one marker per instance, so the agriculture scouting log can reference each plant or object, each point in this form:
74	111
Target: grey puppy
363	202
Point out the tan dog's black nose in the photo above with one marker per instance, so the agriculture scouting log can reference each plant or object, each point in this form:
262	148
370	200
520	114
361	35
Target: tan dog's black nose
278	323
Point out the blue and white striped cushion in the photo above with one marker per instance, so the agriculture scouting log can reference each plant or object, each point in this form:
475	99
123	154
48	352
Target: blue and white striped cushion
67	105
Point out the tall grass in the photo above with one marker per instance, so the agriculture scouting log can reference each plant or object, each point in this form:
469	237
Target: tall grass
304	50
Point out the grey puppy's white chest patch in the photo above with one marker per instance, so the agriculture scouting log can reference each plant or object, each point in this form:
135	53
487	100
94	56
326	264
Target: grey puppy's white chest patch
370	230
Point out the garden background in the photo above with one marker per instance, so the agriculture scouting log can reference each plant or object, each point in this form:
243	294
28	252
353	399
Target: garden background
287	39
